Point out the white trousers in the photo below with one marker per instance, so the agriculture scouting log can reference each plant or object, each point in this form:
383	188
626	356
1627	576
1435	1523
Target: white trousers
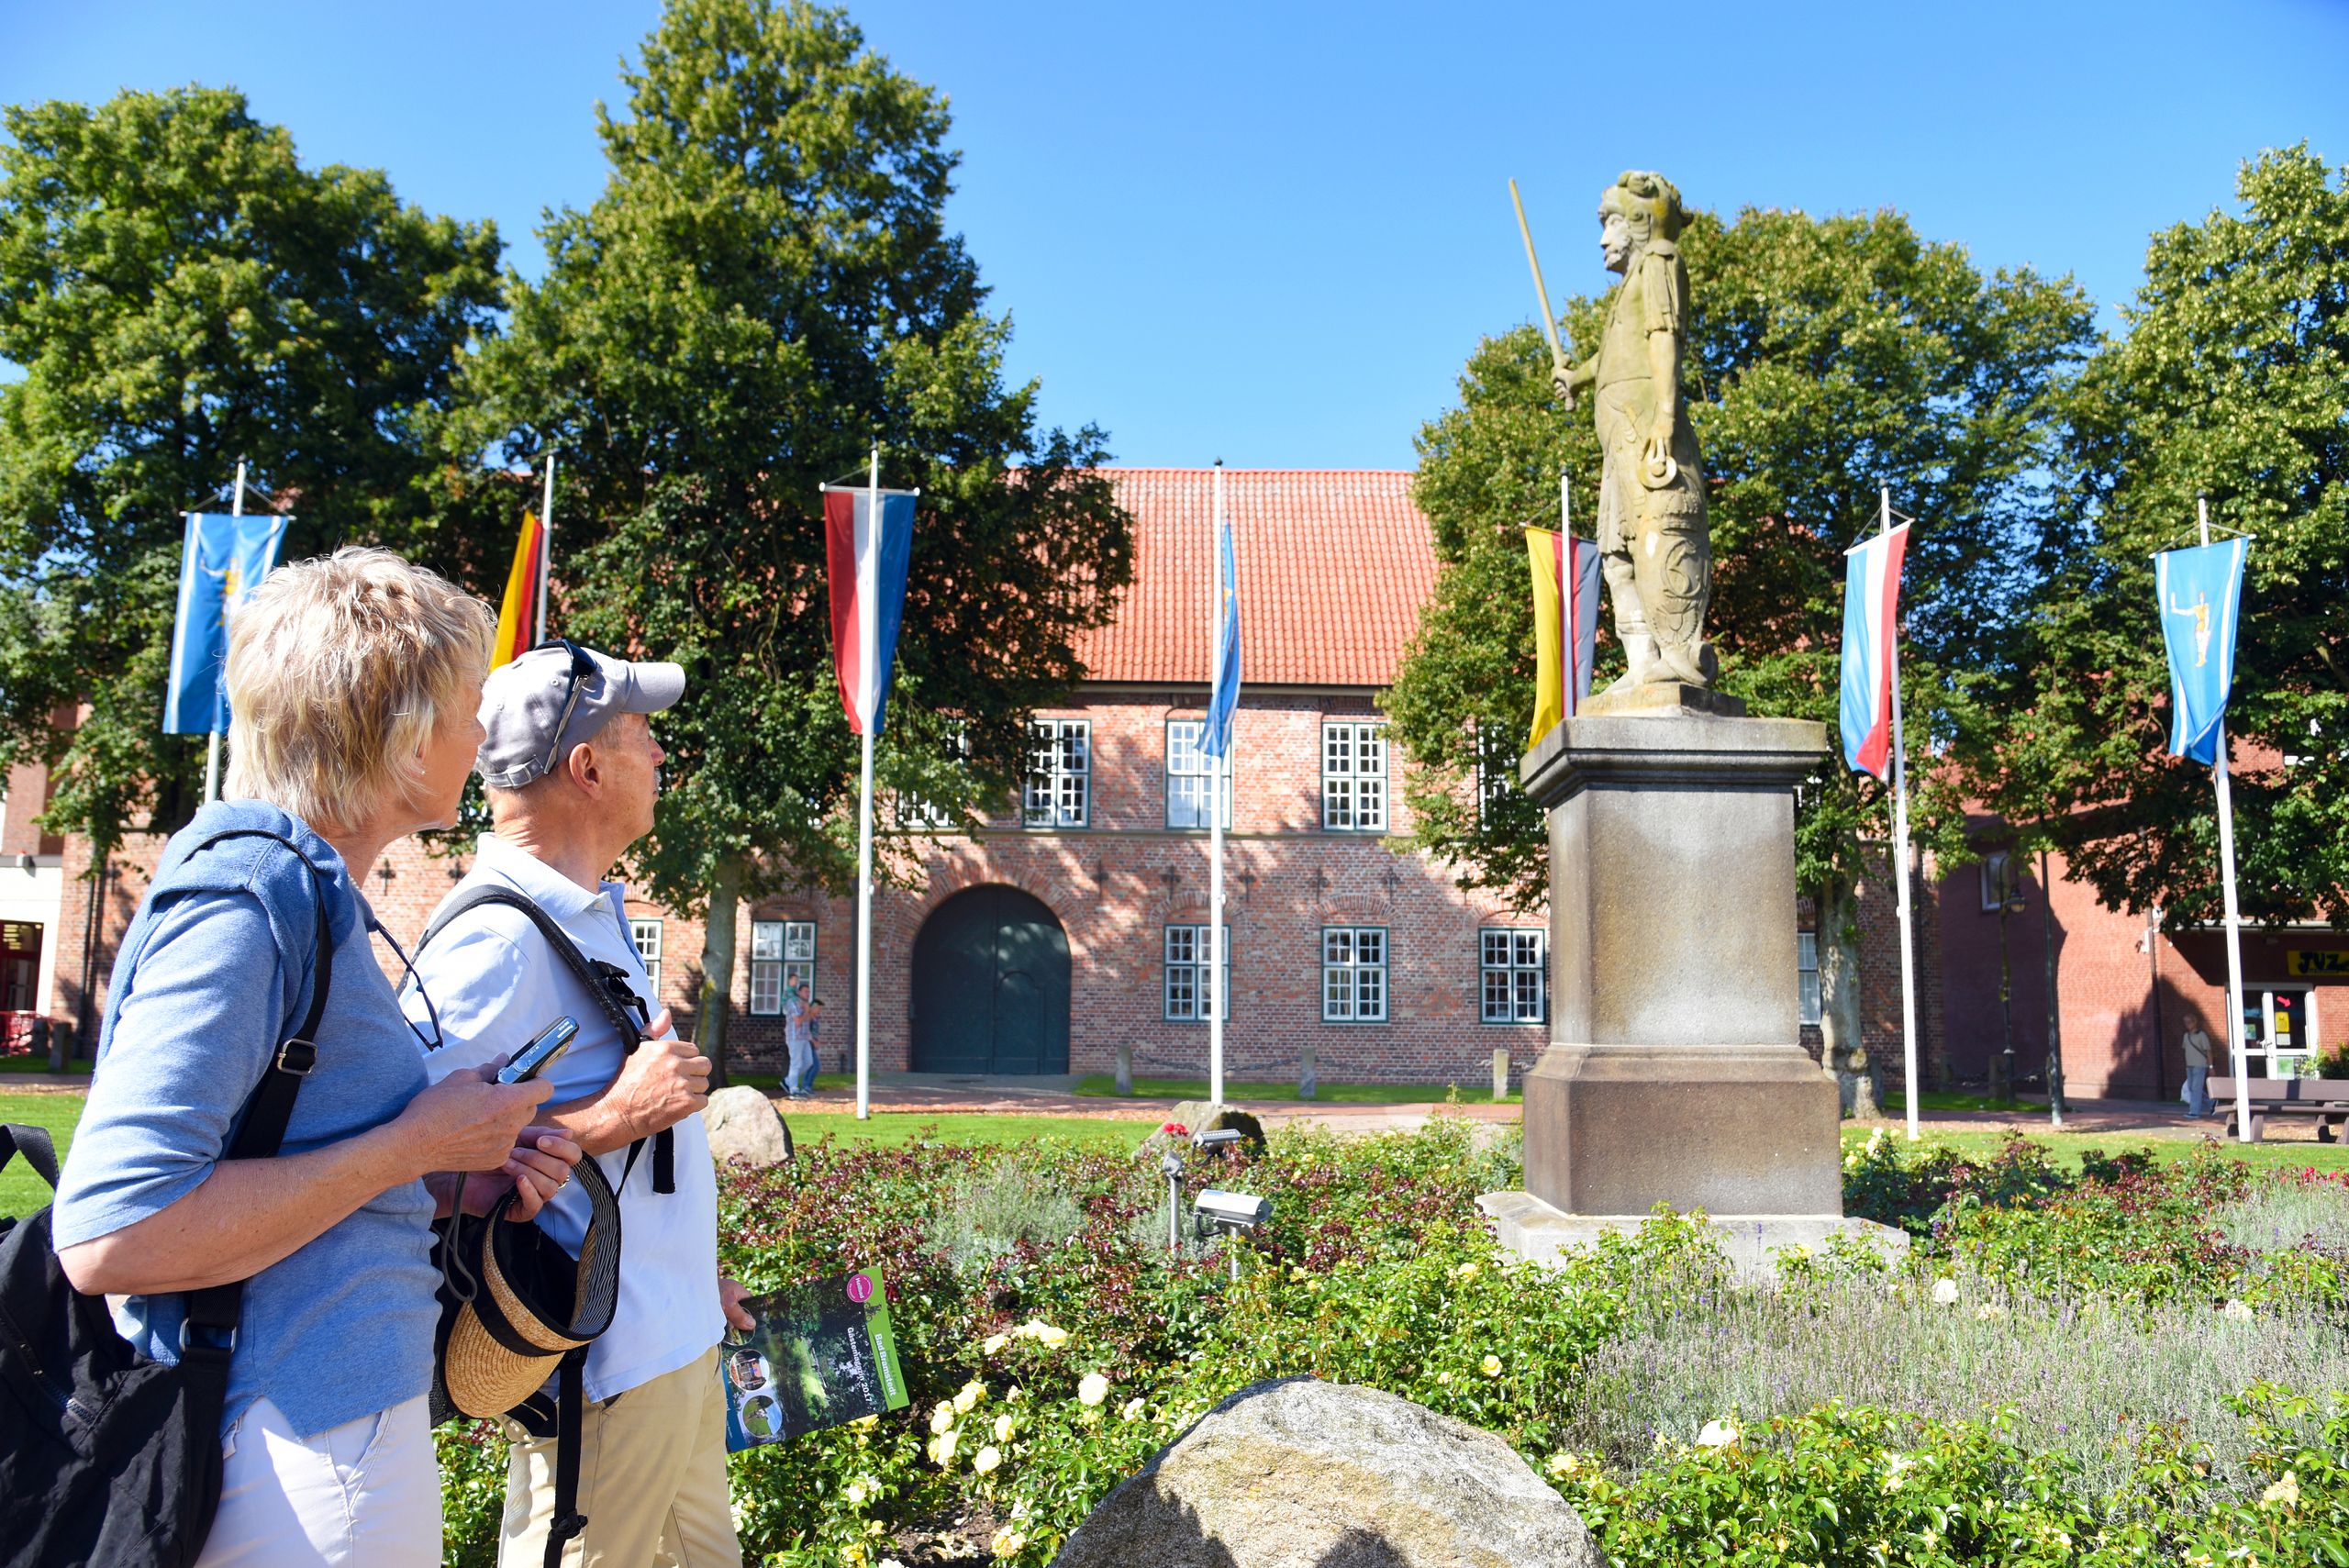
363	1495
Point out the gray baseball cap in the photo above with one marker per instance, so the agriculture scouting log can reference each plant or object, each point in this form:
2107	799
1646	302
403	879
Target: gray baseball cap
560	687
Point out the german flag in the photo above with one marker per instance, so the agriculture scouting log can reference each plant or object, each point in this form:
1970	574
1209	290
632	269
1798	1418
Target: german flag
1566	625
517	616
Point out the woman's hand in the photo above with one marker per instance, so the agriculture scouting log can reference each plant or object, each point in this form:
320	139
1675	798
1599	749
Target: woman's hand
539	1167
468	1121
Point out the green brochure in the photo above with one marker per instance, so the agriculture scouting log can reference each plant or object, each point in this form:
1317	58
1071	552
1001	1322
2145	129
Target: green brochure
820	1354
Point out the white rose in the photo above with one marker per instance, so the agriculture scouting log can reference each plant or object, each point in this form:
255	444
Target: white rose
970	1394
942	1418
986	1459
1944	1292
1134	1407
1716	1434
1003	1428
1094	1389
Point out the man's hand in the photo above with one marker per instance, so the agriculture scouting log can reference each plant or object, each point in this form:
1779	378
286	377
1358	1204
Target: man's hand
663	1081
731	1296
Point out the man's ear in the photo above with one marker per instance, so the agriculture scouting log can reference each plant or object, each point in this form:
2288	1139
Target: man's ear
582	765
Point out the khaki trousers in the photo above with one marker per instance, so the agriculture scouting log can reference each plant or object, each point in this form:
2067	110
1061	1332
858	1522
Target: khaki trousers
652	1480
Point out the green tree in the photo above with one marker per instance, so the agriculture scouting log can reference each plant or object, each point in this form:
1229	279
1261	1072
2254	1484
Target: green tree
765	286
1828	356
180	293
2232	383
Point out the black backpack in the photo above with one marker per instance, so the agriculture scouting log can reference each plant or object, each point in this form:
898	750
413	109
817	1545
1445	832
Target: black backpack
107	1458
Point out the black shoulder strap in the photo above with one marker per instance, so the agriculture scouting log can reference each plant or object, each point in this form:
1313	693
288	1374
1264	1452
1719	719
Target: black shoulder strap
605	983
571	1400
597	979
215	1311
35	1144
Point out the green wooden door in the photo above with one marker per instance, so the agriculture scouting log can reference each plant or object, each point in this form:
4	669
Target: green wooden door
991	985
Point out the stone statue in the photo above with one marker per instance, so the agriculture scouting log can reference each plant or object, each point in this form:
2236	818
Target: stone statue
1654	546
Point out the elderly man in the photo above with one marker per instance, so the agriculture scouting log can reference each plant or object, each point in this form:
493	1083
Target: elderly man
572	771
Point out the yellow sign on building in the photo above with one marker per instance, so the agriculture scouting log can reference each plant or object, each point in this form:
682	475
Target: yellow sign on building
2302	963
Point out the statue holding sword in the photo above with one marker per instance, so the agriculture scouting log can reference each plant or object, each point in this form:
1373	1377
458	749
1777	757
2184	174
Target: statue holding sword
1655	549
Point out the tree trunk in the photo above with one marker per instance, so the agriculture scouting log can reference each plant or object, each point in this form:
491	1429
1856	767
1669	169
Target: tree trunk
718	968
1845	1054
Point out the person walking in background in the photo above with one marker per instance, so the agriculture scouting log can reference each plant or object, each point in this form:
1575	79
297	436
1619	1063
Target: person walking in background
2197	1045
572	773
814	1019
353	686
797	1041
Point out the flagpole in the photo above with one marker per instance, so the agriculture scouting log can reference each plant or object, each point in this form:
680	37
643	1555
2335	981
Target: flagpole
212	745
1900	849
1570	632
867	651
546	551
1215	764
2239	1049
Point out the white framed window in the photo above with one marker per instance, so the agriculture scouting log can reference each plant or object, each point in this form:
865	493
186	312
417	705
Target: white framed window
1353	975
917	814
1059	791
1997	881
1194	982
1807	974
1354	777
1497	763
644	931
1190	772
1514	967
782	951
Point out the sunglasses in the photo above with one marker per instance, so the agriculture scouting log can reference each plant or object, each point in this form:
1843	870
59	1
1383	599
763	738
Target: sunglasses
583	668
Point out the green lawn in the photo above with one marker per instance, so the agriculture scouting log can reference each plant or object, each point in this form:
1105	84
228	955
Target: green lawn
39	1065
980	1128
1106	1087
21	1192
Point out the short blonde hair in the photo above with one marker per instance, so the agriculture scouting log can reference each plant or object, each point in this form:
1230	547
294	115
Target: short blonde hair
338	670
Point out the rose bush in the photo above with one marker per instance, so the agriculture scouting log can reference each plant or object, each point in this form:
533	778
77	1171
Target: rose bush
1050	1345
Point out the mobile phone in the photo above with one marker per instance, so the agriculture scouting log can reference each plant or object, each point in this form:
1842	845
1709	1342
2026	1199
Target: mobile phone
541	1053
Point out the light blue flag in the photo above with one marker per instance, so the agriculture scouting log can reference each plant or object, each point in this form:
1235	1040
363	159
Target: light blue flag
223	561
1225	695
2199	590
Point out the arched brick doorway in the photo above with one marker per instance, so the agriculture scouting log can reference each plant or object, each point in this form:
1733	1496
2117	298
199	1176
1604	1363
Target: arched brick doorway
991	985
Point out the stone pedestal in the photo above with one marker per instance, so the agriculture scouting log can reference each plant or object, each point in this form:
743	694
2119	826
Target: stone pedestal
1675	1073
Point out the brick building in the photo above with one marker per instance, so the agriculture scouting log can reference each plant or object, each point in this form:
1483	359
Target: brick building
2129	989
1071	925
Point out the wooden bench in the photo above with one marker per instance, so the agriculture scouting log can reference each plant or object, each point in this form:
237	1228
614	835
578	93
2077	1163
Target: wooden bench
2325	1099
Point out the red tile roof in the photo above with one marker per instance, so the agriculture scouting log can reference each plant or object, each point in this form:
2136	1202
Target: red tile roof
1334	566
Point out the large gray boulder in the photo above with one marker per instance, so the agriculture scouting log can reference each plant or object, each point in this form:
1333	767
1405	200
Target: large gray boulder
743	1124
1302	1473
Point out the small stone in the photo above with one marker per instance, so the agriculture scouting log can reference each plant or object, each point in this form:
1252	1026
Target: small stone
743	1124
1302	1473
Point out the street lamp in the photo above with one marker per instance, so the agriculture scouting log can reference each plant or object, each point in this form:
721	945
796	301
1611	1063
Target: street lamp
2002	1086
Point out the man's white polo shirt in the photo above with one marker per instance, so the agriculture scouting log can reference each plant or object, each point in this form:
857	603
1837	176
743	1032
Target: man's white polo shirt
496	984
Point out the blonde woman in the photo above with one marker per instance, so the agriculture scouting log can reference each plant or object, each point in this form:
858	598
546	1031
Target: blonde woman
355	686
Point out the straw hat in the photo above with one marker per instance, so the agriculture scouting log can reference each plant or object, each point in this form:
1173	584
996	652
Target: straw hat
529	1301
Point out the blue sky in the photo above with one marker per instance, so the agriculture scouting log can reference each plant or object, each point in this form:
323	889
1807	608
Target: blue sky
1273	233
